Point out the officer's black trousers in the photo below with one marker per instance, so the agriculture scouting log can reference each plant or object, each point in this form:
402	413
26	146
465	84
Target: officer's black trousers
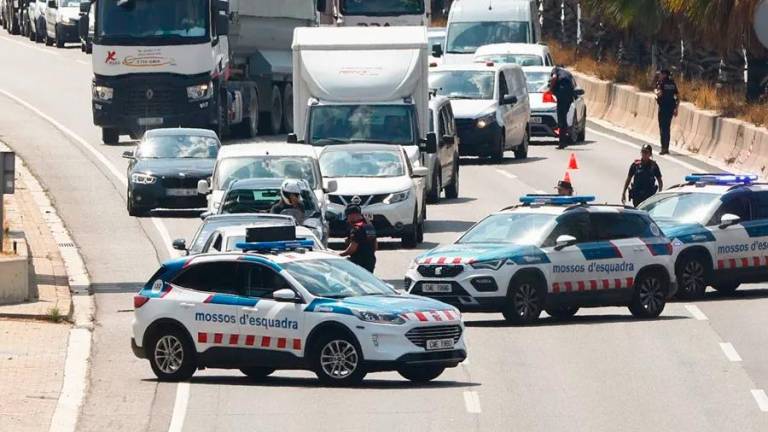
562	122
665	125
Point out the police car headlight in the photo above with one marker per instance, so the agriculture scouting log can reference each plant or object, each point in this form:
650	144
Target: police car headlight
397	197
103	93
485	120
488	265
379	318
200	92
143	179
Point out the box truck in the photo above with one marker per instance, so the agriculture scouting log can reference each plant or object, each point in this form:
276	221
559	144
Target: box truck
382	13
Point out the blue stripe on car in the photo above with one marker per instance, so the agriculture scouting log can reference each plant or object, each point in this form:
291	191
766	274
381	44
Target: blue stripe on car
327	306
599	250
689	233
231	300
756	228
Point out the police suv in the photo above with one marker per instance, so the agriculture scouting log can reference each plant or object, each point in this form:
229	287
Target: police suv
281	305
552	253
718	224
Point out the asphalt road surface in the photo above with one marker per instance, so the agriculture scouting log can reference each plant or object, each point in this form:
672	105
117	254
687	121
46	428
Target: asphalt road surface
699	367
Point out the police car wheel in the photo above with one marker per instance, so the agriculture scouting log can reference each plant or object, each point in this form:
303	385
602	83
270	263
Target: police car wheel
420	374
562	312
338	361
650	296
257	373
524	301
172	355
691	277
727	288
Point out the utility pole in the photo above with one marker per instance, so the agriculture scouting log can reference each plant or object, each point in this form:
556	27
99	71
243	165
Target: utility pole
7	186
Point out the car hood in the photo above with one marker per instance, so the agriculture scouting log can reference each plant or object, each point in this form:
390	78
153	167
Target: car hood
391	304
468	253
370	185
538	104
198	168
686	232
72	13
472	108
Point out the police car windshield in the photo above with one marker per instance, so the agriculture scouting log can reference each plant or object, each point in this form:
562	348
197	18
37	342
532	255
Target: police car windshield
336	278
687	207
512	228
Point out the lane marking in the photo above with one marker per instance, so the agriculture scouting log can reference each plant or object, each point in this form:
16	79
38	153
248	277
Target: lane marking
179	407
696	312
761	398
506	174
730	352
465	362
34	47
83	62
669	158
75	378
472	402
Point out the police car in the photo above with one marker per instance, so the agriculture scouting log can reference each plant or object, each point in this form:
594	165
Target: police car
718	224
281	305
555	254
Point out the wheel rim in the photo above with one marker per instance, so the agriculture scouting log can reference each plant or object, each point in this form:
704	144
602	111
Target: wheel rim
253	120
651	295
169	354
526	300
339	359
693	276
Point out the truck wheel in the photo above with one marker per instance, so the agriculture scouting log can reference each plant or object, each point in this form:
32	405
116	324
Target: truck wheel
433	197
275	116
521	152
452	190
59	40
420	374
256	373
338	360
524	300
172	355
650	295
110	136
288	108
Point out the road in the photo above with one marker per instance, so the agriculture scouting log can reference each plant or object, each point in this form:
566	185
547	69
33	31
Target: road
603	370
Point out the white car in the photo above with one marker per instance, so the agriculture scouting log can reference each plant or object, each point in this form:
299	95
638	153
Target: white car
380	179
263	160
279	306
552	253
61	18
227	239
444	163
518	53
491	106
544	107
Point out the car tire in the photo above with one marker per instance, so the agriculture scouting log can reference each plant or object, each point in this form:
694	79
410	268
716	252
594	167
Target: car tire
525	300
410	239
256	373
133	209
273	120
650	295
583	130
433	197
727	288
88	48
521	152
38	34
110	136
47	39
338	360
452	190
562	312
171	354
59	41
31	34
420	374
692	276
498	153
420	229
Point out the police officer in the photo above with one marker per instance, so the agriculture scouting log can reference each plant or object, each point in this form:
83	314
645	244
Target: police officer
645	176
668	99
564	188
361	241
290	201
562	85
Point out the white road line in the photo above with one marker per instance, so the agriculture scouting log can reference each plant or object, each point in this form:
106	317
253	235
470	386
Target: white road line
506	174
27	46
730	352
75	379
696	312
179	408
761	398
465	362
472	402
83	62
683	164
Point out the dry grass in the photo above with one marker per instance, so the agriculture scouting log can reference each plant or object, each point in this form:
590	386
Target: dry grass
705	95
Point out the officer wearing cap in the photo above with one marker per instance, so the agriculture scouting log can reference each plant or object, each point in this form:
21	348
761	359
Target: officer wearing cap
564	188
361	241
645	176
668	99
562	85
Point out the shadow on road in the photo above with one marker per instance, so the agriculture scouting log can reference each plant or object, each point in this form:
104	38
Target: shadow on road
554	143
459	200
117	288
577	320
179	214
386	245
746	294
367	384
446	226
506	161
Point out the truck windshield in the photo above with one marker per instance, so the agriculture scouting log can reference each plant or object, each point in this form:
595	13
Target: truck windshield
382	7
341	124
467	37
164	20
459	84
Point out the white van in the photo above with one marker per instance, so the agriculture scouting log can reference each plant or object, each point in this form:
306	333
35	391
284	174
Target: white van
474	23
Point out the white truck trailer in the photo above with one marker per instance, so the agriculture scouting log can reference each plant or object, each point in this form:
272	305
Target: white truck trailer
384	13
224	65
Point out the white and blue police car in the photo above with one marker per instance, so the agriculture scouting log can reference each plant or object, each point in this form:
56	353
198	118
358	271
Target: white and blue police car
718	224
280	305
555	254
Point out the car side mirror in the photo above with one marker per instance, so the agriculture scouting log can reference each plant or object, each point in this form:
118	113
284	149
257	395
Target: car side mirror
431	143
286	295
728	220
331	186
579	92
205	215
85	7
180	244
292	138
420	171
128	154
222	24
202	187
447	140
564	241
437	50
509	100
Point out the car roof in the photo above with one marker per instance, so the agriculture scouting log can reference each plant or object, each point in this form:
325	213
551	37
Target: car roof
239	230
512	48
363	147
266	149
717	188
546	69
277	258
560	209
237	217
258	183
181	131
478	10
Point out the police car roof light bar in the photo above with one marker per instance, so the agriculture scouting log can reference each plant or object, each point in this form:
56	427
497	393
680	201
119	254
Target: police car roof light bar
278	246
721	178
541	199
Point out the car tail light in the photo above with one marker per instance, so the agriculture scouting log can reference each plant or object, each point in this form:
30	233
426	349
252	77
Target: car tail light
669	248
549	97
557	131
139	301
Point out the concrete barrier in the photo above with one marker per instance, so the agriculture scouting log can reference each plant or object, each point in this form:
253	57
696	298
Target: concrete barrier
15	278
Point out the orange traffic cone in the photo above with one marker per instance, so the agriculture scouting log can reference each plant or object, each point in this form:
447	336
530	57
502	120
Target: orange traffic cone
572	164
567	177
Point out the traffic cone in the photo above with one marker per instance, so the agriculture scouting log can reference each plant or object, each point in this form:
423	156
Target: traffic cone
572	164
567	177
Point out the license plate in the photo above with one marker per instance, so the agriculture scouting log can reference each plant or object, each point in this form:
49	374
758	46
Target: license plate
439	344
436	288
182	192
150	121
536	120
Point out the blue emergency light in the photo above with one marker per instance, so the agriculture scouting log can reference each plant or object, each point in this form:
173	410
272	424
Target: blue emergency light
721	178
277	246
542	199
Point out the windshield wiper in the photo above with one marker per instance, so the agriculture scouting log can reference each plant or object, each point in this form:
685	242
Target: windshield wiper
376	141
333	140
463	97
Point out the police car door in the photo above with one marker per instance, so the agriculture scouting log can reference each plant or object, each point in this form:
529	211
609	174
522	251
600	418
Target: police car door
207	302
270	325
568	265
618	253
733	252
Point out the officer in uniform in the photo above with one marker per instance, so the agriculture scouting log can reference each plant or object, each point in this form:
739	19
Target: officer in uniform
562	85
645	176
668	99
564	188
361	241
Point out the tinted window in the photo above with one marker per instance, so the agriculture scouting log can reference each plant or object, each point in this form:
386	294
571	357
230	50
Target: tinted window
736	205
503	87
460	84
260	281
572	224
614	226
759	205
218	277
